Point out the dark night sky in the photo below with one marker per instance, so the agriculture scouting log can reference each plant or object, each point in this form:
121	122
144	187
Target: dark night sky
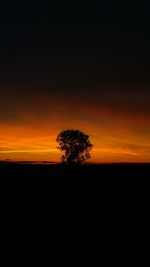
93	45
86	57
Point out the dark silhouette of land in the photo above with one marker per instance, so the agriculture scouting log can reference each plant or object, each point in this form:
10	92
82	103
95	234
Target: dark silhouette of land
111	199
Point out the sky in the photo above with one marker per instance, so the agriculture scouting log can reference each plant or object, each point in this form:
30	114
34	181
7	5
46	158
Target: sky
75	67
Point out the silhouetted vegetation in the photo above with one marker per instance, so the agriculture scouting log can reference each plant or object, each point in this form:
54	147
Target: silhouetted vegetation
76	146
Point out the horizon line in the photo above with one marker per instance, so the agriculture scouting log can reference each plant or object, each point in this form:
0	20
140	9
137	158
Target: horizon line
59	162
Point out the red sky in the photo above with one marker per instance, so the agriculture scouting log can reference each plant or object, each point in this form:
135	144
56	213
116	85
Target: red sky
119	132
75	67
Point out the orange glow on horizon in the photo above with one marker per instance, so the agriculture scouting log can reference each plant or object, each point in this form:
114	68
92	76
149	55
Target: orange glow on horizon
117	137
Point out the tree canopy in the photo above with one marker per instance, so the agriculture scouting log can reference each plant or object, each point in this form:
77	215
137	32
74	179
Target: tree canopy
75	146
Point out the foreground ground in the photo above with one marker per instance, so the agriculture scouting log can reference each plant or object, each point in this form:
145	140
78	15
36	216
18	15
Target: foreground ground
113	199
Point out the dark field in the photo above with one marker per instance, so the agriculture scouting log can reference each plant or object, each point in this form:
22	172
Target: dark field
110	199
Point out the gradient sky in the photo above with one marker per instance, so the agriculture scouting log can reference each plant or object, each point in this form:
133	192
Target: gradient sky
75	67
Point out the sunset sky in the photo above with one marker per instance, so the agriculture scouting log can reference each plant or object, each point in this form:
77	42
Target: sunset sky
75	67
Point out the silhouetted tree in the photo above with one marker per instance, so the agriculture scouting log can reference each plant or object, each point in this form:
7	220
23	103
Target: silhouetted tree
75	145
